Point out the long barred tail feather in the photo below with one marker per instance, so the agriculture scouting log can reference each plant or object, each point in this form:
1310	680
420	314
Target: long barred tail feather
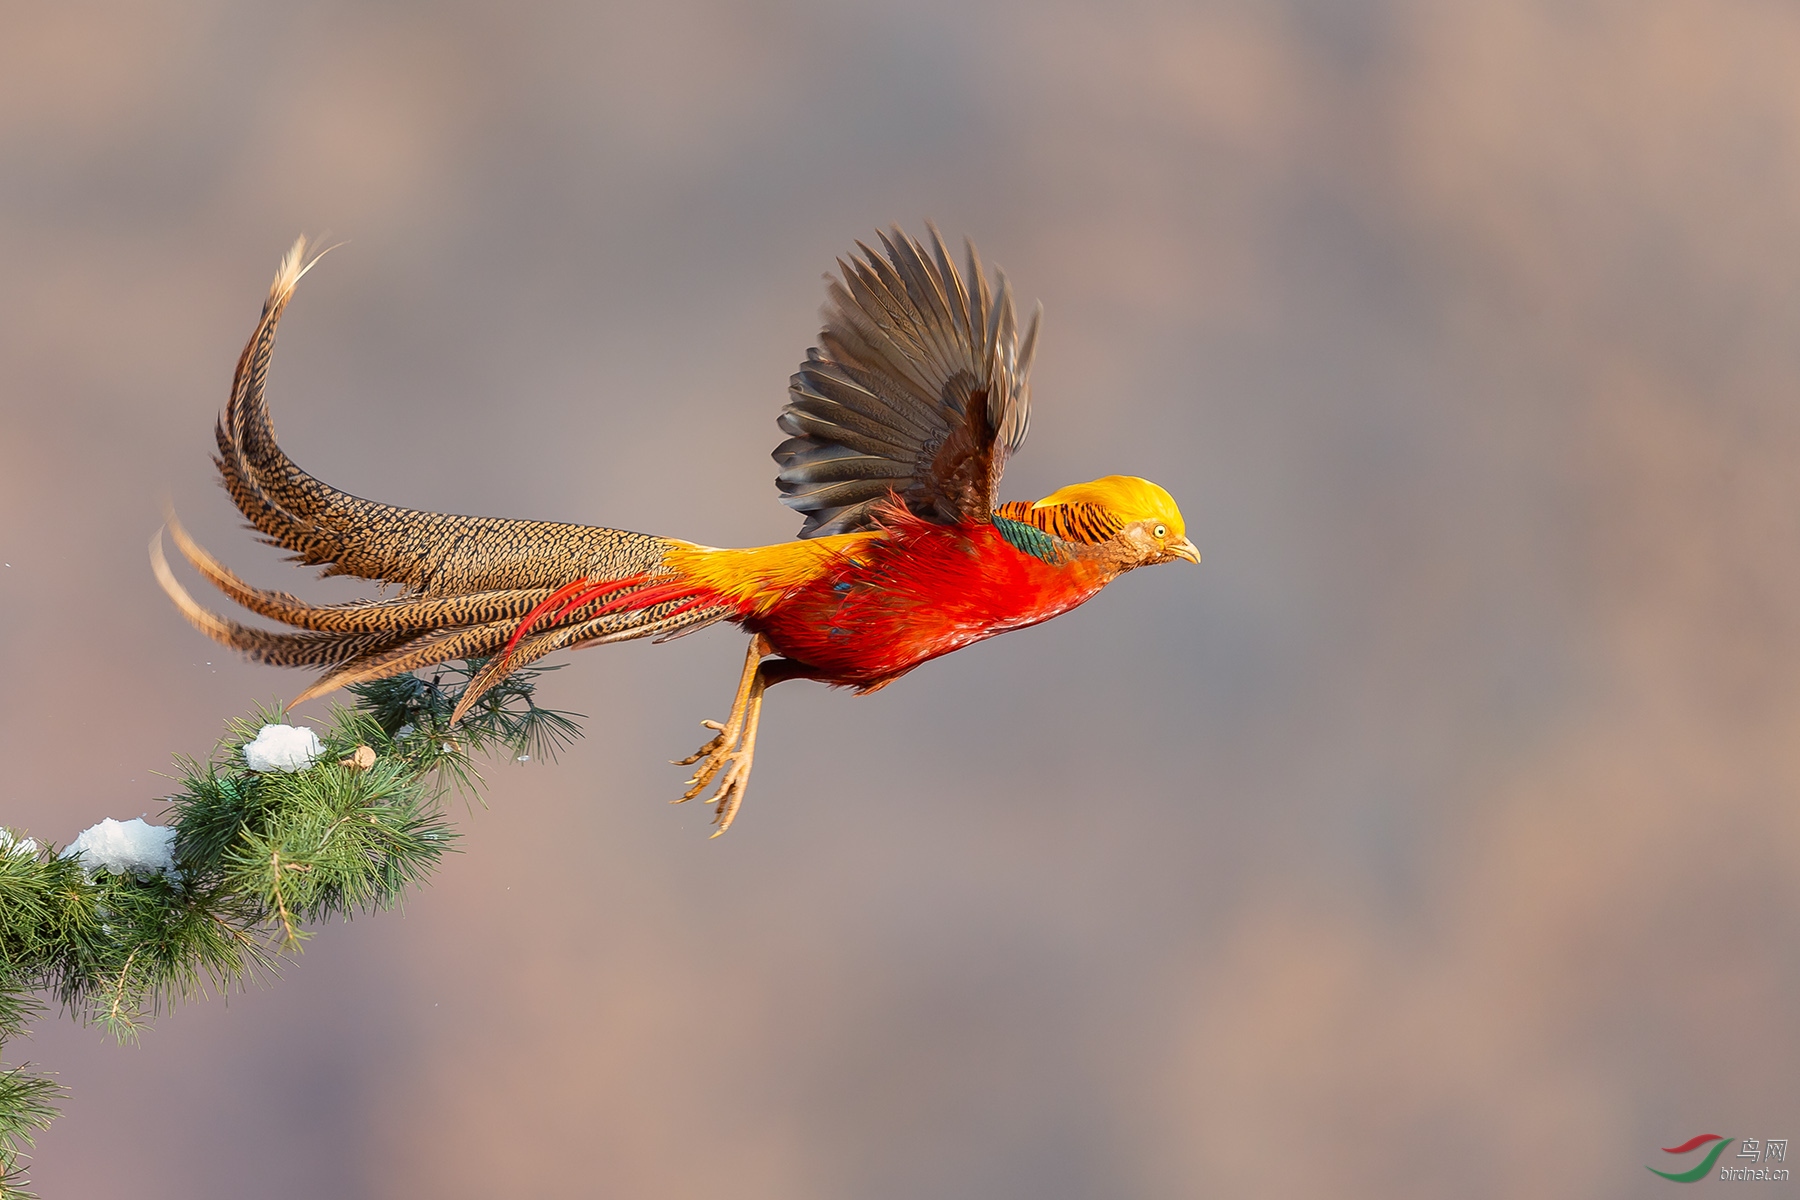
431	554
428	650
509	591
357	616
662	621
308	649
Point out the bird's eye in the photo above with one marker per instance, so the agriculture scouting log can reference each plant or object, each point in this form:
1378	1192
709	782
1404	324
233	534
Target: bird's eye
1161	531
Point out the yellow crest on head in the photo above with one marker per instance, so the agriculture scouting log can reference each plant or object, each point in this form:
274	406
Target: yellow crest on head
1125	497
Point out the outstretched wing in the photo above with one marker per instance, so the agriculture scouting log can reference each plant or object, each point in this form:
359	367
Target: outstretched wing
918	387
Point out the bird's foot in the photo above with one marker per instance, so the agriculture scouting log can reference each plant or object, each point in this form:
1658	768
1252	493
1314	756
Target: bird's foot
706	752
733	745
712	758
730	752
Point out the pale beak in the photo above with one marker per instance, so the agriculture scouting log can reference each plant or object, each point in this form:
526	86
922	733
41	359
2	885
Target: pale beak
1185	549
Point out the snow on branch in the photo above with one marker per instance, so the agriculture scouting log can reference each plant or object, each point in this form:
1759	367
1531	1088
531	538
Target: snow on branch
133	847
283	826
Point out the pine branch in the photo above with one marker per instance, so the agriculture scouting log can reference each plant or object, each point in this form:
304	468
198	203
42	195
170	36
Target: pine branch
257	856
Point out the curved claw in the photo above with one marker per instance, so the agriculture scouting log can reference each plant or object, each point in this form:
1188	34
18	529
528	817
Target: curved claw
698	781
731	791
716	753
703	751
733	748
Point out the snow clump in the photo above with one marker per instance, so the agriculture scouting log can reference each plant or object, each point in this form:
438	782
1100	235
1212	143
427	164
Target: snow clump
287	748
24	846
133	847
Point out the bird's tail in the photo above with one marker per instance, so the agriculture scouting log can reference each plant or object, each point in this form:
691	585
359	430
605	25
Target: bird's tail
429	554
473	587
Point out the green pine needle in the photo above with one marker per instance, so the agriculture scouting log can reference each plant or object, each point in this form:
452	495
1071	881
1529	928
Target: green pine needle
259	857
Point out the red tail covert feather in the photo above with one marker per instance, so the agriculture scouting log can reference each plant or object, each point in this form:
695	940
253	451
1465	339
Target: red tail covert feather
542	607
566	599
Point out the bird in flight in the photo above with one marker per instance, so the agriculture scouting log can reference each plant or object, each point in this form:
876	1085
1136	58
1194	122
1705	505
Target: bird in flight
899	424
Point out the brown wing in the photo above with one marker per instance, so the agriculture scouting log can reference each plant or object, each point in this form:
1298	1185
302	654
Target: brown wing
919	386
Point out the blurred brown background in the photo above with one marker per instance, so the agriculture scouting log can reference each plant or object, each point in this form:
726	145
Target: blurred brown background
1437	837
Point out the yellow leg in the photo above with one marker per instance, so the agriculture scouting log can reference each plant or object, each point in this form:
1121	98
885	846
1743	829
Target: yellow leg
733	748
737	776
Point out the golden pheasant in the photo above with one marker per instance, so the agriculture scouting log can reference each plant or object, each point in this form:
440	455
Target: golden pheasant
900	422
